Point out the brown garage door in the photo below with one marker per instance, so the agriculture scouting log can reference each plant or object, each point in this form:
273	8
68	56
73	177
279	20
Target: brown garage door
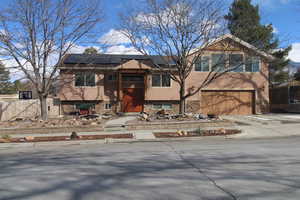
227	102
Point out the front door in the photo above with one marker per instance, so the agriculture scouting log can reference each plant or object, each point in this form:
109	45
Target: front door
133	99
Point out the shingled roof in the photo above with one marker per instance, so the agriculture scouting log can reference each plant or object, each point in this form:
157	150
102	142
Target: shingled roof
110	59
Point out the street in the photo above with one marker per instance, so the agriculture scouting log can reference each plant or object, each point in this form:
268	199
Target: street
211	168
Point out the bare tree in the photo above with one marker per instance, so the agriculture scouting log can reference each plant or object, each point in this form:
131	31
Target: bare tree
37	34
179	31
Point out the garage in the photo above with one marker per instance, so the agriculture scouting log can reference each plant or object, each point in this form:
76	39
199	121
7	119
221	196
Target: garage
227	102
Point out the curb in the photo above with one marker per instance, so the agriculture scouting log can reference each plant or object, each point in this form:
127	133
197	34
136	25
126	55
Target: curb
105	141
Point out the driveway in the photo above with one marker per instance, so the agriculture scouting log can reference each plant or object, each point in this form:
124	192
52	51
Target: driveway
215	169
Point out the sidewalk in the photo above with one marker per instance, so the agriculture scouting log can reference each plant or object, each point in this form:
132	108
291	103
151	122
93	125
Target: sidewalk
250	130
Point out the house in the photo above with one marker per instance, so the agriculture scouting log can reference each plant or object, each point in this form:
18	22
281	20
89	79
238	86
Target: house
132	83
286	97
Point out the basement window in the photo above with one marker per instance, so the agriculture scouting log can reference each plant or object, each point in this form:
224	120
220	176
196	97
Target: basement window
160	106
107	106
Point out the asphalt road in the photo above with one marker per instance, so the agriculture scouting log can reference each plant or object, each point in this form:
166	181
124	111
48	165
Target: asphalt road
215	169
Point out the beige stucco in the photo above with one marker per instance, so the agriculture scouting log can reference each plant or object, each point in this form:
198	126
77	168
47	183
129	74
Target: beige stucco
106	90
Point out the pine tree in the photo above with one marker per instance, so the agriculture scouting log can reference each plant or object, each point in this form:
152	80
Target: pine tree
244	22
5	85
90	50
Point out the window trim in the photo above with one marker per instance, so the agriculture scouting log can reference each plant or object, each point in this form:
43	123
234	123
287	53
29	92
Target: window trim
161	81
84	86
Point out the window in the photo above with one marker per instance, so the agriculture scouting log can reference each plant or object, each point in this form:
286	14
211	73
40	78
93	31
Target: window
252	64
25	94
84	106
85	79
133	78
218	62
160	106
236	62
202	65
112	77
107	106
294	94
161	80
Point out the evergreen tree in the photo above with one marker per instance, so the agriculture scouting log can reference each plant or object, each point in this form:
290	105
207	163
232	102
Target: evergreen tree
90	50
5	85
244	22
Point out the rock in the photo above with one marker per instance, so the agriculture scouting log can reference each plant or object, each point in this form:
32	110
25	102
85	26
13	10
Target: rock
200	116
189	114
105	116
29	138
222	130
211	116
74	136
185	133
161	112
3	140
94	124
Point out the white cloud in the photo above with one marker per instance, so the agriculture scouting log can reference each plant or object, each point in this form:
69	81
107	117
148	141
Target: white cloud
294	54
121	49
275	30
114	37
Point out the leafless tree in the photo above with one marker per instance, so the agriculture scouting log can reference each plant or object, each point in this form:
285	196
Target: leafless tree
37	34
178	30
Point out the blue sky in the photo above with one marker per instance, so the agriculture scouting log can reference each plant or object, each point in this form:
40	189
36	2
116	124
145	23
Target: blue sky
283	14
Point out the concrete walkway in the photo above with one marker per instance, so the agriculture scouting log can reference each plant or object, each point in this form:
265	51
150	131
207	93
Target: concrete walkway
121	121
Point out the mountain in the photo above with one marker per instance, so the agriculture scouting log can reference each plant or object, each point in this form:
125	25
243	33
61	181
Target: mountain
293	67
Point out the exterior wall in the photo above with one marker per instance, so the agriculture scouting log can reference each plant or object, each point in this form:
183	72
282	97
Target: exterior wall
148	107
106	90
67	107
26	109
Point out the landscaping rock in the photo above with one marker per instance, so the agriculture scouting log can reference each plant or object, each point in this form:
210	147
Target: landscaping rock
74	136
29	138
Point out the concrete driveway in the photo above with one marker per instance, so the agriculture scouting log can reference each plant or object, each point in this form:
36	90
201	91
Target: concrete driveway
215	169
267	125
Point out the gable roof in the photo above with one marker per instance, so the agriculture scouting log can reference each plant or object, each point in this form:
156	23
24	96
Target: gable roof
243	43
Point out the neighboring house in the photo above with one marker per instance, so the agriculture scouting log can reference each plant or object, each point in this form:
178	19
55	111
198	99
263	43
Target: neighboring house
286	97
131	83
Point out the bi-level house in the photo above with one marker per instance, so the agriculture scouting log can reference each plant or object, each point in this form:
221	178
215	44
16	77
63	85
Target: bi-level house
132	83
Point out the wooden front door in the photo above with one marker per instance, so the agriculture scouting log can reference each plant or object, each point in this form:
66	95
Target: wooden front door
227	102
133	99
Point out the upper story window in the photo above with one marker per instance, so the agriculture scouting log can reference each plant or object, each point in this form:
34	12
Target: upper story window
161	80
85	79
236	62
218	62
202	64
252	64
